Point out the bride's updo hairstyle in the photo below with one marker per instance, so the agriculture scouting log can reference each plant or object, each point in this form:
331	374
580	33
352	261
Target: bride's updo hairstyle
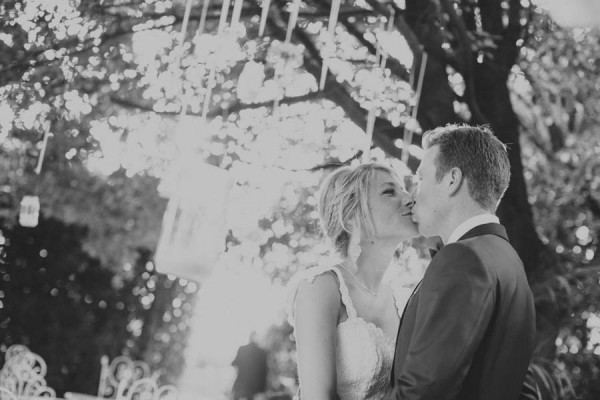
343	204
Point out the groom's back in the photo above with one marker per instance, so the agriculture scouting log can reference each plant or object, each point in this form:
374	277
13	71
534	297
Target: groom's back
502	357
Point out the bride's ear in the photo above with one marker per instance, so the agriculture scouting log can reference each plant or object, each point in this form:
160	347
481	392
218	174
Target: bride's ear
455	180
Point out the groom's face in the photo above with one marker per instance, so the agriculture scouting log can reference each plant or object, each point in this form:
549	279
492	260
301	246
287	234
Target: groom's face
428	195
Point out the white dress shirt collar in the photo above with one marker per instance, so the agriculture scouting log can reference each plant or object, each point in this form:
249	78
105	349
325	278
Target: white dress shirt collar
471	223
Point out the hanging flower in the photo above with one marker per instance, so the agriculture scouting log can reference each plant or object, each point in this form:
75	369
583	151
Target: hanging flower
285	56
412	125
220	51
328	47
372	86
250	81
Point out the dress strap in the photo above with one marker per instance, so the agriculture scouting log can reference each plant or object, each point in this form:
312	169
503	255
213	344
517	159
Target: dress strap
309	275
345	293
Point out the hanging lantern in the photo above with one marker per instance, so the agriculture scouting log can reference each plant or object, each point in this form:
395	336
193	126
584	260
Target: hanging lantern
30	211
194	227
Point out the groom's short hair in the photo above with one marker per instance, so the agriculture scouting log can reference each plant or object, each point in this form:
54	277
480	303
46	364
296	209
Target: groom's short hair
481	157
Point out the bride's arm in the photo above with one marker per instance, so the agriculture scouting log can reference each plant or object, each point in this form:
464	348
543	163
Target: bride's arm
317	309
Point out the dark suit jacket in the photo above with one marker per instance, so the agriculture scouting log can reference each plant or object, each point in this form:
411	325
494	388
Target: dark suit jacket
467	332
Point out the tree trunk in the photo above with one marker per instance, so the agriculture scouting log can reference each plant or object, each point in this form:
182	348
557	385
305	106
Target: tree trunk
488	97
493	96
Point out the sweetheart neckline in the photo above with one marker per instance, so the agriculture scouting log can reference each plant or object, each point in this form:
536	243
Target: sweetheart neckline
378	329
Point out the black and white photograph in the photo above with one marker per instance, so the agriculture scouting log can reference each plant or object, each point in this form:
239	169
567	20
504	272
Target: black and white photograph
299	199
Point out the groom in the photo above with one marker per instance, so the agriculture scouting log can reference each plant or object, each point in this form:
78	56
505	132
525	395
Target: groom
467	332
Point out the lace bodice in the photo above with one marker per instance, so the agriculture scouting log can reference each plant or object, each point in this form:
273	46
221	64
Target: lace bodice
364	353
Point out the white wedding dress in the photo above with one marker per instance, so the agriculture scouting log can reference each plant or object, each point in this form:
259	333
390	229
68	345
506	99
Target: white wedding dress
364	353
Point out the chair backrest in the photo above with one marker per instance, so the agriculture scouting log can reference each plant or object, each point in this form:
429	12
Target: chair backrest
6	394
23	374
121	373
147	389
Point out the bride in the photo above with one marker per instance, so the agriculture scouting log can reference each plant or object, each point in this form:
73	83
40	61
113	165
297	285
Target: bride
345	318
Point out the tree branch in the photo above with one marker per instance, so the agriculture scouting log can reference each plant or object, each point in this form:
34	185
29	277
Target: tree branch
235	107
32	60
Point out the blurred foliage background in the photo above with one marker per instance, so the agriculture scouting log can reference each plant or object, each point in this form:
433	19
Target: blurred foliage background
104	81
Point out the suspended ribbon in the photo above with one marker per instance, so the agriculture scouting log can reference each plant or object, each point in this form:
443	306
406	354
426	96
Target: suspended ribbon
333	18
371	117
411	125
279	53
186	19
263	16
224	15
389	28
209	87
295	9
212	73
38	168
202	23
236	13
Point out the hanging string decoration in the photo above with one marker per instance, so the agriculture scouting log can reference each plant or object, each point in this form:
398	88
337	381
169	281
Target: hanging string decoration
235	15
29	210
294	10
412	126
263	16
217	53
327	52
203	15
389	28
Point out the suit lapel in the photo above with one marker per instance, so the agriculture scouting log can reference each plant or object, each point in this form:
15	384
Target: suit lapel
399	326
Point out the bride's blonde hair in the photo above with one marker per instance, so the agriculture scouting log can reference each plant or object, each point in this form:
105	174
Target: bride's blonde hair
343	204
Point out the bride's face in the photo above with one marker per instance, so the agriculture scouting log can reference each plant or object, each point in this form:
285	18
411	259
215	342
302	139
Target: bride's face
391	208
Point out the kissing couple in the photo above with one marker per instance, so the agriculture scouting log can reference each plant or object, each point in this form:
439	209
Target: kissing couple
467	330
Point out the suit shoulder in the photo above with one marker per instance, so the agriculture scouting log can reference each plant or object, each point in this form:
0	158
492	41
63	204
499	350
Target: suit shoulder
458	261
461	251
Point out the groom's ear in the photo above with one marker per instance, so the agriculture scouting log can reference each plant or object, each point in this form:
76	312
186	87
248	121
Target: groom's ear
455	180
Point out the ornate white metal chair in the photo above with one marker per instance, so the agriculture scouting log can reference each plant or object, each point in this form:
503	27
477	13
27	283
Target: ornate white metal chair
121	373
14	350
23	374
6	394
147	389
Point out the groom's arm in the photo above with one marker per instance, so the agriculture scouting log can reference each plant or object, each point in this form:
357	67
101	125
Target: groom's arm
455	304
